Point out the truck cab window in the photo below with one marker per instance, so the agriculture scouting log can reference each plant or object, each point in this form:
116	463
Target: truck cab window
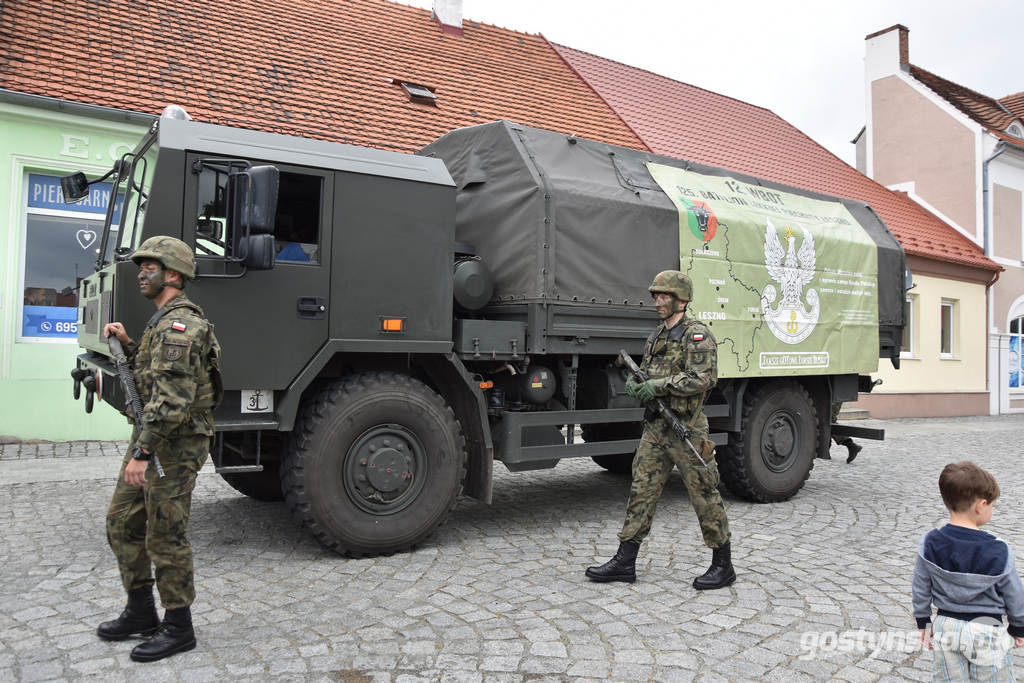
296	223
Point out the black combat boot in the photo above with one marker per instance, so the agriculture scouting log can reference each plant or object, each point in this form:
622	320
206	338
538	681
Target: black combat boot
622	567
174	635
852	448
720	574
138	618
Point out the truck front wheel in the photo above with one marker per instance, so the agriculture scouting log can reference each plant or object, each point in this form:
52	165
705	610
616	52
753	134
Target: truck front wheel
772	456
375	464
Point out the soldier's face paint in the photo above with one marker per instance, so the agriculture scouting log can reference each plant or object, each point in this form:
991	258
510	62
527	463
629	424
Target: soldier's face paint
151	279
667	305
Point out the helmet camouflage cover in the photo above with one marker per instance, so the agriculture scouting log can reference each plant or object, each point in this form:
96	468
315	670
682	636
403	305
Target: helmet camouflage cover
673	282
172	253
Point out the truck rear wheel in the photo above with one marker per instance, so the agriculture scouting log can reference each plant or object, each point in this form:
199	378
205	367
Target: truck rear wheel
772	456
375	464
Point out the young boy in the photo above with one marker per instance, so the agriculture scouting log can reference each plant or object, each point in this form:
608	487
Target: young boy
970	577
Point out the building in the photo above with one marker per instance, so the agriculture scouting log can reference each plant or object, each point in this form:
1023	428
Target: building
960	155
943	366
379	74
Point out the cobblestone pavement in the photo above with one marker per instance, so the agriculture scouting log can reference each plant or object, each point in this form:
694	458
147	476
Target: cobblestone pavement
498	593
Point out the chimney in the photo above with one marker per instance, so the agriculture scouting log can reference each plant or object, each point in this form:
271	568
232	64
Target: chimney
448	13
893	45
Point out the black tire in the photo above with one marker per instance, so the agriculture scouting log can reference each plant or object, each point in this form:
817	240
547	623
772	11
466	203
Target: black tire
265	485
376	462
772	456
616	463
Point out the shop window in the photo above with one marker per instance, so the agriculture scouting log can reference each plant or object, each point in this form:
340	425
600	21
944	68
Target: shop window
62	243
947	337
296	223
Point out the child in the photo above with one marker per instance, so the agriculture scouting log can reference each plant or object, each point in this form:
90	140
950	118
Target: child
970	577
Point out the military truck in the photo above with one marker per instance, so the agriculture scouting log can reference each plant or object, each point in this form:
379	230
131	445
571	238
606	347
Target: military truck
393	324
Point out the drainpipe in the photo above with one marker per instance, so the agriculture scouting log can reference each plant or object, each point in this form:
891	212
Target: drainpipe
1000	148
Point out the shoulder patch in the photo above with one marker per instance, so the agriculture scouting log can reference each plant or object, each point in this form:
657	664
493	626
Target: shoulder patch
178	326
698	336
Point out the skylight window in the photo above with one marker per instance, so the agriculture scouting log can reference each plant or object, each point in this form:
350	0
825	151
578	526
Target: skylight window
417	92
1016	129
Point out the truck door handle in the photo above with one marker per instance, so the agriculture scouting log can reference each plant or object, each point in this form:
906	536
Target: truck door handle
311	308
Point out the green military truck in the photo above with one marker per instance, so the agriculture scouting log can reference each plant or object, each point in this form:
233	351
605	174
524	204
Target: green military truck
394	324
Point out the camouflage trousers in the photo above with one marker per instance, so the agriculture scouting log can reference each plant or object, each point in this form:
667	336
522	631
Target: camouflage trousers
659	450
146	526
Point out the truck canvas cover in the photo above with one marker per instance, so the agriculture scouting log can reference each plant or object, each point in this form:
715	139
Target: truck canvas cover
788	280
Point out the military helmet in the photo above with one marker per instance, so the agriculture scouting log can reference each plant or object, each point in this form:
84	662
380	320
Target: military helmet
673	282
172	253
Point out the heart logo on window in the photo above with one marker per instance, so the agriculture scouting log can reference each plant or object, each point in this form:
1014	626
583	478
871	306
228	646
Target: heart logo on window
86	238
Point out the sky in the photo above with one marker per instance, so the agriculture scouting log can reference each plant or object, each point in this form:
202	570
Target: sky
803	60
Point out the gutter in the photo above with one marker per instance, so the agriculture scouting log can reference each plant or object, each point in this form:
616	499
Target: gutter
77	108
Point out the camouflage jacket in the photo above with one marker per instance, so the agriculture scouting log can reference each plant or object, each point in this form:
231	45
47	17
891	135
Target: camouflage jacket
177	374
683	361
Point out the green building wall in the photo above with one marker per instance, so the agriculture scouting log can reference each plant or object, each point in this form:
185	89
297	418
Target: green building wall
35	385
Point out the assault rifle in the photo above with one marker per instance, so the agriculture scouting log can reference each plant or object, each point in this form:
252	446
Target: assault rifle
660	406
131	393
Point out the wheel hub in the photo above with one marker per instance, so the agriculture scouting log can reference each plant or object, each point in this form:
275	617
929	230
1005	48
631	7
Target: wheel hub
380	472
778	442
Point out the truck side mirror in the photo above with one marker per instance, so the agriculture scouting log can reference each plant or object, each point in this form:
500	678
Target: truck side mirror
260	252
75	187
253	194
255	200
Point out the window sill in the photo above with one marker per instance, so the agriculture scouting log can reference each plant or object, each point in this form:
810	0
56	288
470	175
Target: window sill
909	357
946	356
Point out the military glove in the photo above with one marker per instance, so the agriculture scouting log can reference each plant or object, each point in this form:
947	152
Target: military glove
631	386
645	391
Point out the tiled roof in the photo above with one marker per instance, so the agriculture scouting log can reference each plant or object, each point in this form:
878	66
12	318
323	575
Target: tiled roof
1014	103
681	120
316	68
993	114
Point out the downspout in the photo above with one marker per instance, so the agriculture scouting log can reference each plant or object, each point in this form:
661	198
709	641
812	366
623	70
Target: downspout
1000	148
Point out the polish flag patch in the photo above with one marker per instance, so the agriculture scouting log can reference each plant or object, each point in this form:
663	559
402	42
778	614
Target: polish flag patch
698	336
180	327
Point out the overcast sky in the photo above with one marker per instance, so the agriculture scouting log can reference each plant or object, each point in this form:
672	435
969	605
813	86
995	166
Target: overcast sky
803	60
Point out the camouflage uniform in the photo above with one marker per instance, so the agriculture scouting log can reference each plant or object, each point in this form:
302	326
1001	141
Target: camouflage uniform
177	377
684	355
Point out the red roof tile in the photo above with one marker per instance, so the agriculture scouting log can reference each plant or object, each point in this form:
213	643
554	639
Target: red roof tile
684	121
316	68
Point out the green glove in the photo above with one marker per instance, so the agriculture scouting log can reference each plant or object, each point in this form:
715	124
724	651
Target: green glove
631	386
645	391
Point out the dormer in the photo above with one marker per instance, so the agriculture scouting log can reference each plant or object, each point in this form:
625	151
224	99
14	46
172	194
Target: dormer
1016	129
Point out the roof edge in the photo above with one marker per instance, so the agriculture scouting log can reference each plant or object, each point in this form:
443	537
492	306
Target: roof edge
76	108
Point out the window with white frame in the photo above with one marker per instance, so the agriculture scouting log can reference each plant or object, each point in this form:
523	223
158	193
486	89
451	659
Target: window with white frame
1016	378
947	335
908	346
61	246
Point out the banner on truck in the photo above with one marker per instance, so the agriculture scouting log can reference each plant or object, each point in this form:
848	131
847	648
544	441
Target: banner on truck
787	284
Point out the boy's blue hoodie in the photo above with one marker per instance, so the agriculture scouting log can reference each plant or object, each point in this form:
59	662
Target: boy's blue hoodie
967	573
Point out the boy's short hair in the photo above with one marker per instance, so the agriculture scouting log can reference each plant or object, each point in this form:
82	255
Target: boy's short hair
963	483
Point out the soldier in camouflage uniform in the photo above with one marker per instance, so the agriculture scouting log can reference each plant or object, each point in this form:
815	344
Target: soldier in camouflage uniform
178	380
852	447
681	359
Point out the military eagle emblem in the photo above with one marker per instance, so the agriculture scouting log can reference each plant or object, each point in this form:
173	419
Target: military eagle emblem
793	269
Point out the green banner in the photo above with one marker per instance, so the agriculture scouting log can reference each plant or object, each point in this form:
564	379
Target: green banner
787	284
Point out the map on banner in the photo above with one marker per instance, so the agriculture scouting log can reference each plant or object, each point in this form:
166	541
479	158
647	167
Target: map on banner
787	284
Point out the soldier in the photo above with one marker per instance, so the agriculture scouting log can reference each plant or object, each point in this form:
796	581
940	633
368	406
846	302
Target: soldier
681	359
852	447
178	380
